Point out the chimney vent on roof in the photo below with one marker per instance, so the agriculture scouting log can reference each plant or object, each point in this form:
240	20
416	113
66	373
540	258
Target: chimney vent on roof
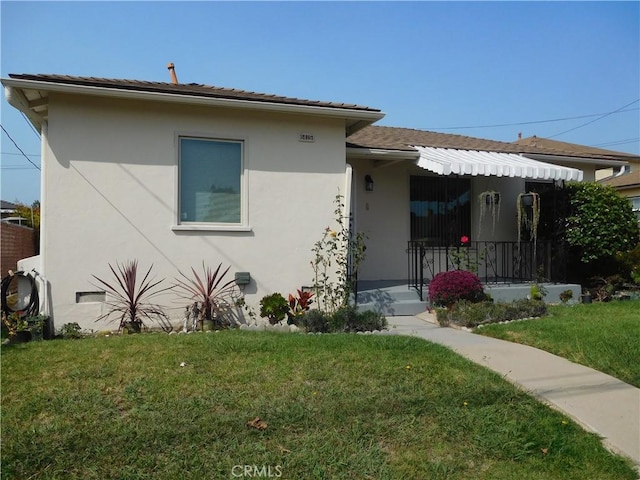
172	71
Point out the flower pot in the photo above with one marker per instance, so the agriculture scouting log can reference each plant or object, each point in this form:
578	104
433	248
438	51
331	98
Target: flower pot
492	198
526	200
586	298
207	325
131	327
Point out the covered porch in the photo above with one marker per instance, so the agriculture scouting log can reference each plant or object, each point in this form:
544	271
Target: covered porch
435	215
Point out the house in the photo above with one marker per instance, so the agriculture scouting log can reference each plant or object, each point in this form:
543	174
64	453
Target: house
7	209
176	174
627	184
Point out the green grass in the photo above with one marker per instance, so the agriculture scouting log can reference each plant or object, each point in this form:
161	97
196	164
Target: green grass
336	407
603	336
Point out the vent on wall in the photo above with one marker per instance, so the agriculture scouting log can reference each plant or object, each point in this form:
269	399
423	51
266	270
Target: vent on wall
90	297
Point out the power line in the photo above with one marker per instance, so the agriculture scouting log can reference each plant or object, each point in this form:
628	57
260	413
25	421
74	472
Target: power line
14	153
533	122
30	124
618	142
595	120
14	142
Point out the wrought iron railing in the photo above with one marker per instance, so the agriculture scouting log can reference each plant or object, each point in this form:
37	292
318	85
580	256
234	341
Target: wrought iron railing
492	261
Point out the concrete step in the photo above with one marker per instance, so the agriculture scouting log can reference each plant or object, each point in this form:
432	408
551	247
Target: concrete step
390	299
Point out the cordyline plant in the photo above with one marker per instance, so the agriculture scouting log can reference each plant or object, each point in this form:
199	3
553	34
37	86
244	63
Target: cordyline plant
130	300
338	255
208	294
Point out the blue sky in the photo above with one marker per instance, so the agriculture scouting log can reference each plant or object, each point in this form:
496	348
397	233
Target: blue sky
427	65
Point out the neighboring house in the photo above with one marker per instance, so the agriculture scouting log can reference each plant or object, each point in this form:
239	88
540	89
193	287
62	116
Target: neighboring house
600	154
177	174
628	185
7	209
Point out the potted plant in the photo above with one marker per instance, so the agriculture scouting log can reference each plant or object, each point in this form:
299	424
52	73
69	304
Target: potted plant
130	298
209	295
489	202
528	206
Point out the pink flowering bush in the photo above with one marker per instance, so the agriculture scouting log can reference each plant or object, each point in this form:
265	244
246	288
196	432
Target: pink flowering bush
447	288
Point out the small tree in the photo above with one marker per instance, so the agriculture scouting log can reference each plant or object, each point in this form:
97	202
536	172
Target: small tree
32	216
337	256
601	226
602	223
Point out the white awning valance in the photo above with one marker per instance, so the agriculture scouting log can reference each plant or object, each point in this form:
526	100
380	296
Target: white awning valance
451	161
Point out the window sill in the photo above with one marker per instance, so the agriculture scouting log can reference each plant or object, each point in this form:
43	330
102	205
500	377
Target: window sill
211	228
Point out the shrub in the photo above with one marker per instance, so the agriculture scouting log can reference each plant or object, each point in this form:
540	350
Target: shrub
71	331
469	314
566	295
349	319
630	264
298	304
345	319
315	321
447	288
602	223
274	307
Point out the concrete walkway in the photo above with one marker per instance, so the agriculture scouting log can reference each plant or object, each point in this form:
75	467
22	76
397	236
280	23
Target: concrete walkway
600	403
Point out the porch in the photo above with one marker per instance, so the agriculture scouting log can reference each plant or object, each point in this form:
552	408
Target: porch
506	269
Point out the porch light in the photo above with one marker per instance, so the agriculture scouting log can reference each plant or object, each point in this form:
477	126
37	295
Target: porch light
368	183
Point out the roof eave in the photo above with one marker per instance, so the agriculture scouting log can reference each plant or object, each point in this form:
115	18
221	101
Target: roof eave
381	154
355	119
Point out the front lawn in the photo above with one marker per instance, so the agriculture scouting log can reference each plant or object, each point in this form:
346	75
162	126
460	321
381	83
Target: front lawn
603	336
156	406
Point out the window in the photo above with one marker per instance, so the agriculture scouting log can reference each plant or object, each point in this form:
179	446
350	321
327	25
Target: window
635	204
211	182
440	209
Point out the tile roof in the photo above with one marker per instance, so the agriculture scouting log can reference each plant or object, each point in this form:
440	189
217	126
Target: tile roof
627	180
4	205
394	138
571	149
191	89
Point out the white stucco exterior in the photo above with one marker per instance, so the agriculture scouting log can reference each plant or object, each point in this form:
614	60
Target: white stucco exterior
110	189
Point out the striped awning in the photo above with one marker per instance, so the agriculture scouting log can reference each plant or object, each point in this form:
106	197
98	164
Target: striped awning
451	161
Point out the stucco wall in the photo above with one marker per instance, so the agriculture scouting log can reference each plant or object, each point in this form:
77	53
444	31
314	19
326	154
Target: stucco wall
110	189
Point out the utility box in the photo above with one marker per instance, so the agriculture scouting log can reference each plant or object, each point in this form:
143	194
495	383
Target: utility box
243	278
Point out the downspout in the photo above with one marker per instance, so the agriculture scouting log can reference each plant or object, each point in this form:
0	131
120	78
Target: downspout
44	141
347	193
346	212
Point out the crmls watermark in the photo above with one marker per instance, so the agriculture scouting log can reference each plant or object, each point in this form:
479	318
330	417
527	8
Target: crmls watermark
257	471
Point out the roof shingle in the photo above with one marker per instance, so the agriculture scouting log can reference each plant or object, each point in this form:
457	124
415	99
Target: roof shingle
393	138
191	89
